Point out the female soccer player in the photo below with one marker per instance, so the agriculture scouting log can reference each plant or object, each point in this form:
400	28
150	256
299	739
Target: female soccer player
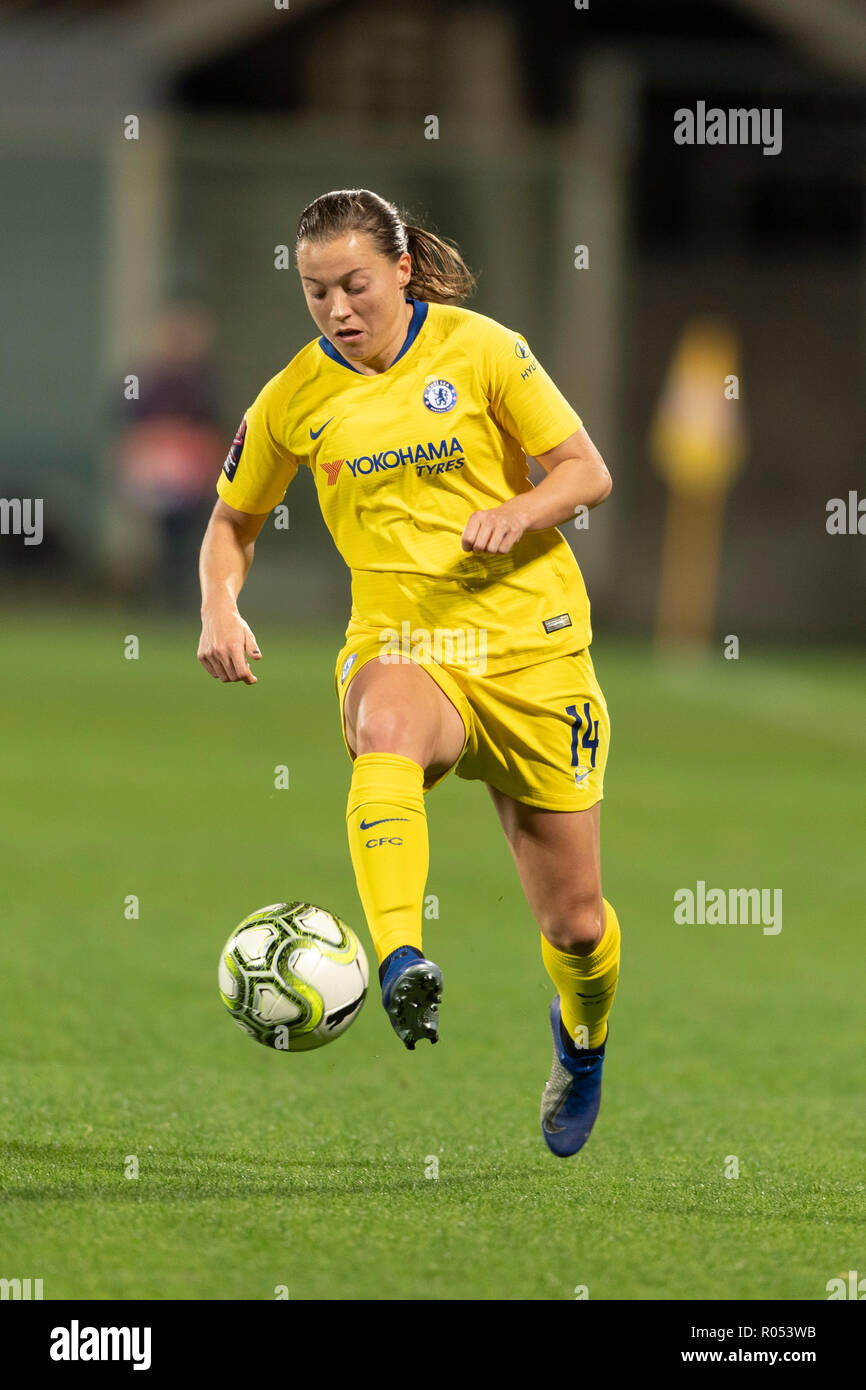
468	642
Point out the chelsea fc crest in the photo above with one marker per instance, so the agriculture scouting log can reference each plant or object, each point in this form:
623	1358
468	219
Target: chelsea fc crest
439	395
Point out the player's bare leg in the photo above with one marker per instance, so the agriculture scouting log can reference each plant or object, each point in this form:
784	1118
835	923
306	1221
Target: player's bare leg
558	859
403	733
400	709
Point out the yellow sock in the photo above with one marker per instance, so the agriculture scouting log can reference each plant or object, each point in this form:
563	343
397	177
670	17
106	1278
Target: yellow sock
387	825
586	984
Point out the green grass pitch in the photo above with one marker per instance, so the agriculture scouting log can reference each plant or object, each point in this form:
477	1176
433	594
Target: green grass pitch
259	1169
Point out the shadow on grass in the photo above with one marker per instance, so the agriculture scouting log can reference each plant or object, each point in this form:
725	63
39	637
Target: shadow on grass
68	1171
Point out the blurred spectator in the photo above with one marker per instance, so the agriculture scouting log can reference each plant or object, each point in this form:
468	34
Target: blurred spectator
167	459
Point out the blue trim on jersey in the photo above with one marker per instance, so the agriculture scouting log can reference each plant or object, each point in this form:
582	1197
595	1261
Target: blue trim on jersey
419	314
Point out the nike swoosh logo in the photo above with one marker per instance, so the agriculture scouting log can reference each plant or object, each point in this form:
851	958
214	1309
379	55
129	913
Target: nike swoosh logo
579	779
550	1125
314	434
368	824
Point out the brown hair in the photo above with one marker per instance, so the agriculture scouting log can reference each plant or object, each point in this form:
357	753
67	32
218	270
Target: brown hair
439	273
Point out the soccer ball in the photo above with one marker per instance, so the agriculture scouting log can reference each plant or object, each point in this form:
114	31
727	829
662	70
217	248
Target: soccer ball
293	976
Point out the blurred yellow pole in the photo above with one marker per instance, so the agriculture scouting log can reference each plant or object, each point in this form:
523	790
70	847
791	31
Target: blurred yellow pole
698	442
689	569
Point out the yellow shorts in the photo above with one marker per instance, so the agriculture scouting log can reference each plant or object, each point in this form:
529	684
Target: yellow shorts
540	734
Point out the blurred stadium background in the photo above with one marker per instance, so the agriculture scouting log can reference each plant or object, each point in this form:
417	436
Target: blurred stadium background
155	258
555	130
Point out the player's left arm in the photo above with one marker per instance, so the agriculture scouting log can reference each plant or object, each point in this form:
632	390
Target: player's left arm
576	476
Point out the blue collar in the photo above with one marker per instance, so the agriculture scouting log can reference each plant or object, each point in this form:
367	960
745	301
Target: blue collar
419	314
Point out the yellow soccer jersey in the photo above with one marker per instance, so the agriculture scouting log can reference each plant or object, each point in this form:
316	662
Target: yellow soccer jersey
400	461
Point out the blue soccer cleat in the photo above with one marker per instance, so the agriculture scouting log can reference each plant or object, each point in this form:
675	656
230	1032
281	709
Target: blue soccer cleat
572	1096
411	991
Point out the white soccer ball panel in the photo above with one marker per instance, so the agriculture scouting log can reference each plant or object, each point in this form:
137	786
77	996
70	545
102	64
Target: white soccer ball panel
340	987
272	1006
253	943
361	960
314	919
336	983
229	984
306	962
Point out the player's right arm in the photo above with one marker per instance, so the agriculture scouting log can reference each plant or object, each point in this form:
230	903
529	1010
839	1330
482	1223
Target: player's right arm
226	555
253	481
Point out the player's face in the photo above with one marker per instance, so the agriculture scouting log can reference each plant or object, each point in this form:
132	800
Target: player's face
357	297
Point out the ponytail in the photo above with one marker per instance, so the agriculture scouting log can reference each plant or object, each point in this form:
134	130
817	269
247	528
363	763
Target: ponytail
439	272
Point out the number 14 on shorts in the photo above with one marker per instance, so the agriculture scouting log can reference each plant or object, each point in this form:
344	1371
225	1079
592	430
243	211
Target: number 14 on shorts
589	740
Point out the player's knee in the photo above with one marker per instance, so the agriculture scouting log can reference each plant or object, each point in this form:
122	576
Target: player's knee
388	729
575	927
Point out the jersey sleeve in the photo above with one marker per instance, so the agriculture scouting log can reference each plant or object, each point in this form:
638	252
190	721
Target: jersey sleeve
259	467
523	398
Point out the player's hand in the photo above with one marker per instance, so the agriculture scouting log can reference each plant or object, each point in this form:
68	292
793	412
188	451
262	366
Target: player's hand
497	530
226	643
